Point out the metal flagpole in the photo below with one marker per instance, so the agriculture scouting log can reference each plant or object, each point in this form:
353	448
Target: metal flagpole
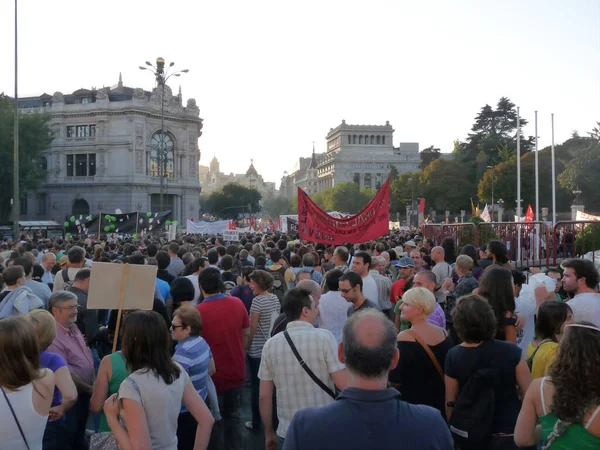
16	212
553	177
519	182
537	189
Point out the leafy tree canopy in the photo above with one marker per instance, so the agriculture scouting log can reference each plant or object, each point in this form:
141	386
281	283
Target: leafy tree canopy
35	137
231	200
428	155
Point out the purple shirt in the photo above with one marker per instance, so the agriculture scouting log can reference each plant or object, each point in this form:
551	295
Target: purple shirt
53	362
70	345
438	317
245	294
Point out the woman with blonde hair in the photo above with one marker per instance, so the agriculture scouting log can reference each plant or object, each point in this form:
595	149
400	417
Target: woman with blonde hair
26	387
65	392
419	375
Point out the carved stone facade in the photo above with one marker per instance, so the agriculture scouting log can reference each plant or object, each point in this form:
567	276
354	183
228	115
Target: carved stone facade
213	179
103	150
363	154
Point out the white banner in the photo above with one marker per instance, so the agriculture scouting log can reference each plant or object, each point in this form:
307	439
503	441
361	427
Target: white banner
231	235
207	227
584	216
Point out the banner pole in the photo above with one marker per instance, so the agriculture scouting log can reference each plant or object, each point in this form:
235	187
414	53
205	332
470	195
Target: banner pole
99	224
137	221
120	310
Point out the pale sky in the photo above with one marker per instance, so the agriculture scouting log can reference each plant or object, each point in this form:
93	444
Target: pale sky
271	77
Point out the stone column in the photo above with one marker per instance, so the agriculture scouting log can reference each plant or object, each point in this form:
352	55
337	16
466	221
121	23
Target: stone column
574	209
373	180
361	184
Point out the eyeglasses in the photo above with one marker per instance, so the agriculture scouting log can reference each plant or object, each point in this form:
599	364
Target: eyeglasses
174	327
71	308
345	291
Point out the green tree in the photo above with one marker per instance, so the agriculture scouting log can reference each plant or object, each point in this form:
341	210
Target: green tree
505	182
595	133
276	205
407	187
446	186
233	199
428	155
393	173
581	173
35	137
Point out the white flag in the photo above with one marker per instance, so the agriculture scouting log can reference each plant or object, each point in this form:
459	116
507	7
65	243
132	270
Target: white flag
485	214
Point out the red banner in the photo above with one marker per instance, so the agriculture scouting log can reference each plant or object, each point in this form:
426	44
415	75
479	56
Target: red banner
316	225
422	206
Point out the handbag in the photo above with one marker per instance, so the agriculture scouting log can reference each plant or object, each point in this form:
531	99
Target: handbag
106	440
306	368
429	352
15	417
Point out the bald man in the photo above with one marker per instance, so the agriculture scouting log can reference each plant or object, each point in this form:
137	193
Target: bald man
367	414
441	270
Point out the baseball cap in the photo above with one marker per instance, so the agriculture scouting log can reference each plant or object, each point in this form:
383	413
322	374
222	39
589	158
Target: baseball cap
405	262
410	244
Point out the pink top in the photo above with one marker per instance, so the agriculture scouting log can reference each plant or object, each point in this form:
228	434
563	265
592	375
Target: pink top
69	344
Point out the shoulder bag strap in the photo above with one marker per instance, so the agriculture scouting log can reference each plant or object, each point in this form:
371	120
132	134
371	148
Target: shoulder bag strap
306	368
429	352
15	416
536	350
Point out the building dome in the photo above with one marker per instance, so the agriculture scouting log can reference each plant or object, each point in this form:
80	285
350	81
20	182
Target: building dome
251	170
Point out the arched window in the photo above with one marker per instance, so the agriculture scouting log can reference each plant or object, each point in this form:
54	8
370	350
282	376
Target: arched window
349	139
354	139
80	208
378	140
372	139
383	140
43	163
360	139
162	155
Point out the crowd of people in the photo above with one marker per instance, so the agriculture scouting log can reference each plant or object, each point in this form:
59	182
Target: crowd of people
395	343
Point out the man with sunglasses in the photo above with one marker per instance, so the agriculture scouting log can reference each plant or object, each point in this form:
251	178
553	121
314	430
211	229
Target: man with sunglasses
351	285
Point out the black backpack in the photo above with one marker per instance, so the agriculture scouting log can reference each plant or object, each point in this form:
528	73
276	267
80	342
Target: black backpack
279	284
471	422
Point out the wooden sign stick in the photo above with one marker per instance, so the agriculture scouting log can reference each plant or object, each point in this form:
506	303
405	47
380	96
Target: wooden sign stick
120	311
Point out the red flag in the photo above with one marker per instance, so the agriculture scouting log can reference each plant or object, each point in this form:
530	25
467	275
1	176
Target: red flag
529	216
422	206
279	223
316	225
229	226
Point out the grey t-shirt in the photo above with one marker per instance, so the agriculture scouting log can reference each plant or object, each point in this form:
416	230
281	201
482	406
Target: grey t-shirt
161	403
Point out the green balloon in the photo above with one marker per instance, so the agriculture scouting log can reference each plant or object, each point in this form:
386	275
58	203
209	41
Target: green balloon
68	235
134	236
113	226
66	224
107	228
174	222
148	214
168	222
72	219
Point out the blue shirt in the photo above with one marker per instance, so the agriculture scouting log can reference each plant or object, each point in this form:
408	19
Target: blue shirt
193	353
164	289
361	419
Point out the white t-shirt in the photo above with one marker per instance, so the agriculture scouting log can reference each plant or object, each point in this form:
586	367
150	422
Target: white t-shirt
333	312
526	308
586	307
194	280
369	290
161	403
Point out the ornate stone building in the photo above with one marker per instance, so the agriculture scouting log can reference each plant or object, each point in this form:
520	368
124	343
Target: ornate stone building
359	153
106	151
212	179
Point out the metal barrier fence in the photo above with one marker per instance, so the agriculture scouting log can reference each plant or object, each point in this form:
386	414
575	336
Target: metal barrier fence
528	243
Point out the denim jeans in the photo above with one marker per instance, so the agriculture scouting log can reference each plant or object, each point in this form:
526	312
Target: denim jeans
77	418
227	433
56	436
254	365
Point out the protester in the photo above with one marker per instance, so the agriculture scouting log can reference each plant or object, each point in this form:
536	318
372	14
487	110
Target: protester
351	285
580	279
193	354
567	402
149	400
361	264
499	365
552	318
263	312
27	389
496	286
70	344
419	374
366	414
75	260
17	299
281	369
243	291
333	308
65	392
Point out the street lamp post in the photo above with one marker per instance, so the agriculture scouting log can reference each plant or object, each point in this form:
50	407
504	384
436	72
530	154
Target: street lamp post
493	173
16	211
412	198
162	76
